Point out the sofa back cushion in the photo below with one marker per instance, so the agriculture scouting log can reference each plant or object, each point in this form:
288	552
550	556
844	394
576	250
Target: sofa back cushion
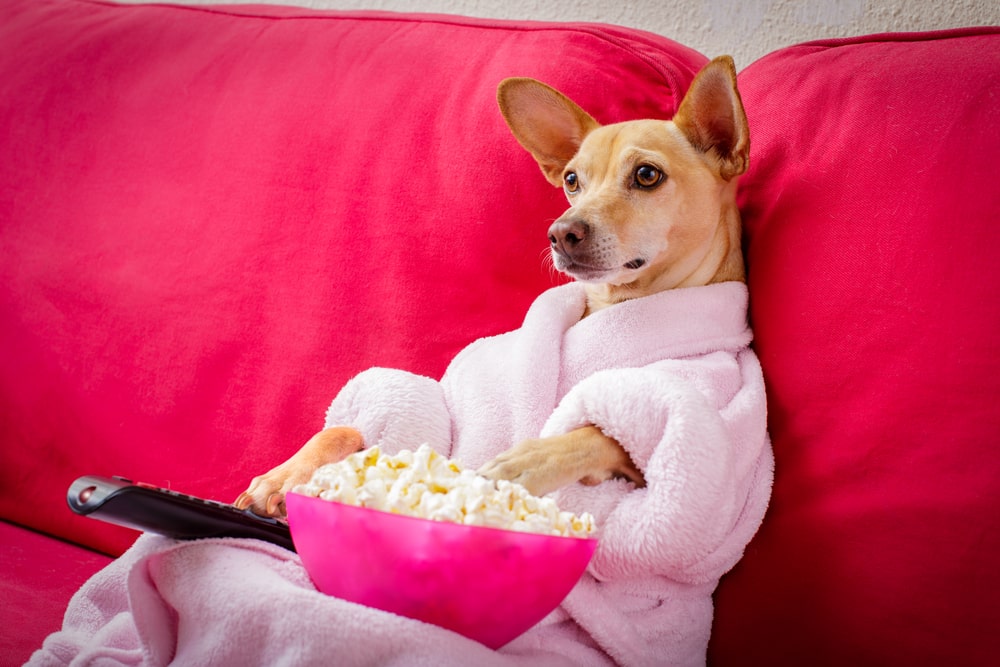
213	217
872	217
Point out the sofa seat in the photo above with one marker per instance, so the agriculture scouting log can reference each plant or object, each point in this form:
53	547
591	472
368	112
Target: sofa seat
40	574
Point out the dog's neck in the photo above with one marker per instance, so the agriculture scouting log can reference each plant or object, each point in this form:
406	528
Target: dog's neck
722	262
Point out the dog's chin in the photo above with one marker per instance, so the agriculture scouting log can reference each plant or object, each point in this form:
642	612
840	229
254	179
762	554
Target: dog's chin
583	274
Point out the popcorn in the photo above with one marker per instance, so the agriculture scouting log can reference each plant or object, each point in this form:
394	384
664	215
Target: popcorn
423	483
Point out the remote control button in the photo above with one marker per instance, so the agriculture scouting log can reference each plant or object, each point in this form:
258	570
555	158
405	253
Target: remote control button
85	494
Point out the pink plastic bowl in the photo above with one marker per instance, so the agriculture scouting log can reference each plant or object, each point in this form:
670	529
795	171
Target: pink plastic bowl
487	584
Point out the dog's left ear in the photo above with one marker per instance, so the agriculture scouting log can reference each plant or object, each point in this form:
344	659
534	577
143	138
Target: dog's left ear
548	124
712	118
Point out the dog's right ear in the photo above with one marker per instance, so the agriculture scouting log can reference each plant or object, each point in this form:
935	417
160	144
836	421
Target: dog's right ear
548	124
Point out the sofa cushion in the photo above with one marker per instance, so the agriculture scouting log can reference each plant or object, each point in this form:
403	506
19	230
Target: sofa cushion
39	576
872	210
213	217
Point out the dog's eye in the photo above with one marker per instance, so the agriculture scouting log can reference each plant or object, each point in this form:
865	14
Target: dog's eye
571	182
647	176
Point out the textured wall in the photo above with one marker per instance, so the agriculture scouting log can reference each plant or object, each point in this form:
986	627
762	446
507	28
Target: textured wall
746	29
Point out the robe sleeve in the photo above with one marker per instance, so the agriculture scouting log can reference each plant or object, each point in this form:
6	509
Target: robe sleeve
703	449
394	409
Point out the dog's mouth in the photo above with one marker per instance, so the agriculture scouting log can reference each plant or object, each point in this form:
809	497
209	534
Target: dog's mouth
590	273
577	269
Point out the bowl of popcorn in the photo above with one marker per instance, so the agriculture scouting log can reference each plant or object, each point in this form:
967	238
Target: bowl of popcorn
418	535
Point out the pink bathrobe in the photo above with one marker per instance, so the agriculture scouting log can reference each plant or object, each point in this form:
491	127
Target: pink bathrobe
670	376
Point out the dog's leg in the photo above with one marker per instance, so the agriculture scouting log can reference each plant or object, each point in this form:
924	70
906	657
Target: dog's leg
583	455
266	493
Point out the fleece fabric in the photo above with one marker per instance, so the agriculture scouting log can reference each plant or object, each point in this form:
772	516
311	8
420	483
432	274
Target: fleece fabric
670	376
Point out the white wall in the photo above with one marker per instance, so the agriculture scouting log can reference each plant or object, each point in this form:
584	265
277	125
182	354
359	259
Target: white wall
745	29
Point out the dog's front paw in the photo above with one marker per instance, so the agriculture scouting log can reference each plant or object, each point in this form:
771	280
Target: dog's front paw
583	455
532	464
266	493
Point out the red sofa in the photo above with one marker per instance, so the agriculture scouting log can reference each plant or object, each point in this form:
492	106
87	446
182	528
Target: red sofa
211	218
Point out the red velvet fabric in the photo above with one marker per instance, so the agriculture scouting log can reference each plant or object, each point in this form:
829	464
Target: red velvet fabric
40	574
872	210
212	218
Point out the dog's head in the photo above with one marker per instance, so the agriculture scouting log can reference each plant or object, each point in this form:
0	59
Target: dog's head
652	202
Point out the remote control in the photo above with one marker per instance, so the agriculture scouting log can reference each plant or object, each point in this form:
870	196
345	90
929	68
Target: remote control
144	507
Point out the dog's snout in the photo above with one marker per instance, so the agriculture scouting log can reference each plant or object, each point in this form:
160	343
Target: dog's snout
568	233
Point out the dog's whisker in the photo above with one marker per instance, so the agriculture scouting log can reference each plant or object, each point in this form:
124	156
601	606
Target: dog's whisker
548	263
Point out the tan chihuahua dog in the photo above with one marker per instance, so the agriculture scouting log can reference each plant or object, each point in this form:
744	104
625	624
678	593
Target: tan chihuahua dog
652	208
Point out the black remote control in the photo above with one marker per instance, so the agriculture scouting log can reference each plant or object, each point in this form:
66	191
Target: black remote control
144	507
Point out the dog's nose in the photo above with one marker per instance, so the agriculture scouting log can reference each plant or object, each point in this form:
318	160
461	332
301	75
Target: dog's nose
568	234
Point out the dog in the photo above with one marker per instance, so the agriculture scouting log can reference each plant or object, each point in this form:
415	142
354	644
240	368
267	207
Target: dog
631	392
652	208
